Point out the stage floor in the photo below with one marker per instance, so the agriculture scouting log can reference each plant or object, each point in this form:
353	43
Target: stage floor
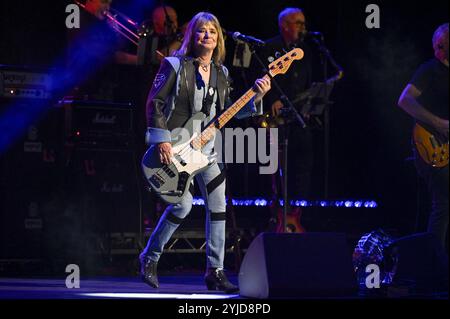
171	287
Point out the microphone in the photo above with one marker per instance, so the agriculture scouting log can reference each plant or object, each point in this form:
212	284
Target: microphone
250	40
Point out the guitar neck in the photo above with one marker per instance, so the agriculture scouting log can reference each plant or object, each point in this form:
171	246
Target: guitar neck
279	66
223	119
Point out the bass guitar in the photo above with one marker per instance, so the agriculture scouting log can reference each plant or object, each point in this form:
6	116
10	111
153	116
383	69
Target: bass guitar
171	182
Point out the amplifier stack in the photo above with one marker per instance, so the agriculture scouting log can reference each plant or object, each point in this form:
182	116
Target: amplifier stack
72	174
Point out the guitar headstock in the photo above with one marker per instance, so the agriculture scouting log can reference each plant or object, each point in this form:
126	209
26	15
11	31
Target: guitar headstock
282	64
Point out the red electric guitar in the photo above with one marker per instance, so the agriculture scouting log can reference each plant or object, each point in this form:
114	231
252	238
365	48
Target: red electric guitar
293	215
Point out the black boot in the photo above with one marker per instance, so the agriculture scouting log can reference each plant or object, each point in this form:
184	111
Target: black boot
148	272
215	279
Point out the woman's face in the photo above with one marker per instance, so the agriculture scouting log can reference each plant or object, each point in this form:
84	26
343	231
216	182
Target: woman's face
205	37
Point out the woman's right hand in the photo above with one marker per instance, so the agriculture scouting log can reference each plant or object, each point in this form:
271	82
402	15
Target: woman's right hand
165	152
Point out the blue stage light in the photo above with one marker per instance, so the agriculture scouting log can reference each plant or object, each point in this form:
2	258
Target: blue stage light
348	204
262	202
373	204
339	203
304	203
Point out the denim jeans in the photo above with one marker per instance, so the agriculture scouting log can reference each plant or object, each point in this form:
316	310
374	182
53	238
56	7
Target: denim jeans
212	185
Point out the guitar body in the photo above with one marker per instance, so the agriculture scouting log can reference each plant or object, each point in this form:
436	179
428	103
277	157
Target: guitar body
432	148
293	217
171	182
293	214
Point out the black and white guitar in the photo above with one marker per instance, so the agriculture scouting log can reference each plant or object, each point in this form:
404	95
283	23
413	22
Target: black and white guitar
171	182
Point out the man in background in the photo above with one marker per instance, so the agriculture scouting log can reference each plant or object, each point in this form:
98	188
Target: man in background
425	98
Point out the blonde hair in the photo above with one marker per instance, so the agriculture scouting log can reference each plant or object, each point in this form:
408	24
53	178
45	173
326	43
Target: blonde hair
199	20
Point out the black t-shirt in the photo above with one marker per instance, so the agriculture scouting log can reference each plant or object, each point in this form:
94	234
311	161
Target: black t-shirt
432	80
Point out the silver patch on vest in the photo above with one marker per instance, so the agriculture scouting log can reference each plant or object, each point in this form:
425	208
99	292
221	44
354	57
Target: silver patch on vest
159	80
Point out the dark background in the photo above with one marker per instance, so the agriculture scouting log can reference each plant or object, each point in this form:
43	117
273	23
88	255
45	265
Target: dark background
370	135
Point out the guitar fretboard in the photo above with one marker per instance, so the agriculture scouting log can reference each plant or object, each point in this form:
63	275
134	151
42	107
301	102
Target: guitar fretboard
279	66
223	119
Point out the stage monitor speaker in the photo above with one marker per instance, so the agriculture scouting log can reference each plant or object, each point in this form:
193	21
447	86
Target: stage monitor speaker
297	265
422	262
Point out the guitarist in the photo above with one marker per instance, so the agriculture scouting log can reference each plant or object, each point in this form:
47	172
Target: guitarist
195	80
425	98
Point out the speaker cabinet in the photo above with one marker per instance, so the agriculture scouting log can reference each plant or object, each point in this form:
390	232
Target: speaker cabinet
297	266
106	182
30	172
422	262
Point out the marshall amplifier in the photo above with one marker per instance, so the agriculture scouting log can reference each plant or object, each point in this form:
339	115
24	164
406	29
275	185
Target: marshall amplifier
98	125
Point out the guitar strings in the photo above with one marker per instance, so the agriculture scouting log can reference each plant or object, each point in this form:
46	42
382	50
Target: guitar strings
184	151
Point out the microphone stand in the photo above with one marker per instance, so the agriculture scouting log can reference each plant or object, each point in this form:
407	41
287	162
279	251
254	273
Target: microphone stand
326	56
290	108
168	27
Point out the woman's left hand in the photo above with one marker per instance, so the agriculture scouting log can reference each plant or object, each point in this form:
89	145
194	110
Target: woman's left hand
262	86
